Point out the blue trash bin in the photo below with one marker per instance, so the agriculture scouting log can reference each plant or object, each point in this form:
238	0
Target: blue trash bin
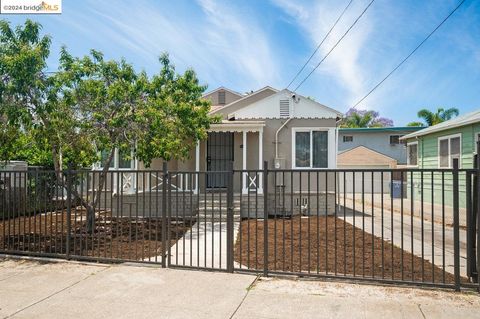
396	189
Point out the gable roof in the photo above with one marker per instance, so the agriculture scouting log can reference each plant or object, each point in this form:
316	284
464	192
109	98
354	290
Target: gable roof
224	89
243	99
466	119
268	107
364	156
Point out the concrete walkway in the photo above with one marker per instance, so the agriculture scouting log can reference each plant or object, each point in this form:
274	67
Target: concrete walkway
204	245
30	289
432	246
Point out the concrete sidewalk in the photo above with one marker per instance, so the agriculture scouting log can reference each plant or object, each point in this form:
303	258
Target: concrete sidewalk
30	289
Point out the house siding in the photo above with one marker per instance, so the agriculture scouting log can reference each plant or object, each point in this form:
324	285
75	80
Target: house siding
378	141
428	159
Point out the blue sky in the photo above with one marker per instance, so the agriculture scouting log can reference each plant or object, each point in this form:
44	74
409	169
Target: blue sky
245	45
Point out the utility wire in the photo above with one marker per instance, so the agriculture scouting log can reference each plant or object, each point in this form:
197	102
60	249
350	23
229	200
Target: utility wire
411	53
336	44
320	44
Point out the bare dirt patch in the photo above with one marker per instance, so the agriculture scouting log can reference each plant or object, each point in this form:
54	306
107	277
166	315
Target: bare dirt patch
330	245
113	237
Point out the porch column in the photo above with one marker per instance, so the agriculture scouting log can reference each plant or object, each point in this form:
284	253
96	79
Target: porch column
260	160
197	166
244	164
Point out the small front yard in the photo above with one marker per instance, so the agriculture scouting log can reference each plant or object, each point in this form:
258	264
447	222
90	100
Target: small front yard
114	237
329	245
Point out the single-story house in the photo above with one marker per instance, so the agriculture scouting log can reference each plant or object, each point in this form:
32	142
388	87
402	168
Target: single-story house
286	129
436	147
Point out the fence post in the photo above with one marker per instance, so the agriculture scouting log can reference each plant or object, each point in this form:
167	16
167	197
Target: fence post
164	214
265	218
69	211
230	220
477	214
456	225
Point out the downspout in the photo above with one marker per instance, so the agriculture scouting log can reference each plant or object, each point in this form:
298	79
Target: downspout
276	135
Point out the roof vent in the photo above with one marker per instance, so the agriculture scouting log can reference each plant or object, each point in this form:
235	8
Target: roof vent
285	108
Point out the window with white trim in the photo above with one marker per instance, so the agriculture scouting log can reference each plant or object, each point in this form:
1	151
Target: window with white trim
310	149
122	162
449	148
412	154
395	139
347	138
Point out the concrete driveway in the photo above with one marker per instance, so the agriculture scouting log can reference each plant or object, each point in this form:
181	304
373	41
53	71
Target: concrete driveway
32	289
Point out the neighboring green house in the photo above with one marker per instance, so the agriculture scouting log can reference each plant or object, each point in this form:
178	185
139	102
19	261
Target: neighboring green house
436	147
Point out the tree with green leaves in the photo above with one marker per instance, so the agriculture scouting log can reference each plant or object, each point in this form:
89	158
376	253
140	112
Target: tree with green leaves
93	106
432	118
355	118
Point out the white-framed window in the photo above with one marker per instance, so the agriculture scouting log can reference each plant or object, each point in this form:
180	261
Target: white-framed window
123	164
449	148
395	139
310	148
412	154
347	138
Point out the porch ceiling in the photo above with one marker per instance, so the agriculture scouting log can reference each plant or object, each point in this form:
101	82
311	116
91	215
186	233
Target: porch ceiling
238	126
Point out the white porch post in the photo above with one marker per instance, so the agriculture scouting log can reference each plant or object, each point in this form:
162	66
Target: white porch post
197	165
244	163
260	160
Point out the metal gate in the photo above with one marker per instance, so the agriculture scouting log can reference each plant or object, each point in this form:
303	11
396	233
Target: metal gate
305	222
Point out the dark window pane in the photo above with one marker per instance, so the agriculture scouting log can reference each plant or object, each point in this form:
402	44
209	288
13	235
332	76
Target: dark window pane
347	138
412	154
302	149
123	162
444	159
104	157
394	139
320	149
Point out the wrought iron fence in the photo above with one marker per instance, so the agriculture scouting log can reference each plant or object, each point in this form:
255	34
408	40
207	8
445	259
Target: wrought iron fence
413	226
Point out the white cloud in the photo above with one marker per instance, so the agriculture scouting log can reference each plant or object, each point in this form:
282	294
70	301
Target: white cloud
343	64
219	43
240	43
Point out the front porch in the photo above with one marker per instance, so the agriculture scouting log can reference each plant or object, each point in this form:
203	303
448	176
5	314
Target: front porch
238	142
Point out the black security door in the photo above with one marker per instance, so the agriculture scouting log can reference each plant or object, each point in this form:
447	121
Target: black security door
219	154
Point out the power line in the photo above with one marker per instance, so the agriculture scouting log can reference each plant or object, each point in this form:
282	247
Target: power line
336	44
320	44
411	53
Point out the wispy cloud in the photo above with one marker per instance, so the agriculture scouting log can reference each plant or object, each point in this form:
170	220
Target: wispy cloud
240	43
219	43
315	19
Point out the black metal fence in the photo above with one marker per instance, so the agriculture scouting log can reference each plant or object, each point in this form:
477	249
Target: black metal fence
412	226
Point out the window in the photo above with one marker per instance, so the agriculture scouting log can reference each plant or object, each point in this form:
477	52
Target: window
347	138
311	149
221	97
412	154
449	148
285	108
395	139
122	162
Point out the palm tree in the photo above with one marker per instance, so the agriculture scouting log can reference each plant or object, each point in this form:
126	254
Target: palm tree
440	116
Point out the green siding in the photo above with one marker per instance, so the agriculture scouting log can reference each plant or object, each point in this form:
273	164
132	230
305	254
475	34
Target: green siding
428	158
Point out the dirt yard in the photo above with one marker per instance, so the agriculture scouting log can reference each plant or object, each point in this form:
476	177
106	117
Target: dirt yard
113	237
329	245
